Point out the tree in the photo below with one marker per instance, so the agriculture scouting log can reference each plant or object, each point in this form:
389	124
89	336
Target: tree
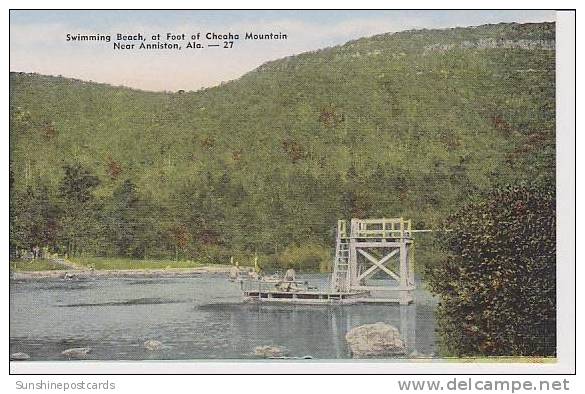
355	200
77	183
82	228
33	218
498	285
128	231
180	237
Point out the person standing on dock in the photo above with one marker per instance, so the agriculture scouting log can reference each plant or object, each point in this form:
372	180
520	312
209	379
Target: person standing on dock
289	275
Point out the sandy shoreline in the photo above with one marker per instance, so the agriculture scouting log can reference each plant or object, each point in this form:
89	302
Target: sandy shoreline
130	273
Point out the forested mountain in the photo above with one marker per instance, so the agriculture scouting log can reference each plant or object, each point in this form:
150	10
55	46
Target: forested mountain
406	124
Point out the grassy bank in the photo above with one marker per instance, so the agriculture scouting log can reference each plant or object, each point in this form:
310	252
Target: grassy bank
35	265
117	263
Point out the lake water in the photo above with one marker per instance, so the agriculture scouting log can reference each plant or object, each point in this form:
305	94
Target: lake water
200	317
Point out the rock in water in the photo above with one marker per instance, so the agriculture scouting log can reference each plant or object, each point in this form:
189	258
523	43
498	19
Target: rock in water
269	351
152	344
375	340
76	352
19	356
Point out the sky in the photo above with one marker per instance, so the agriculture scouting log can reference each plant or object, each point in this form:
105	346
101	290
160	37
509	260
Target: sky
38	40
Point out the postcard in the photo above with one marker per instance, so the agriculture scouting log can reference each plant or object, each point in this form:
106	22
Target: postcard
223	189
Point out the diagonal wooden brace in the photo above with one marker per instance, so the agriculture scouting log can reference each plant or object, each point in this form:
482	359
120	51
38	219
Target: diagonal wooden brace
378	264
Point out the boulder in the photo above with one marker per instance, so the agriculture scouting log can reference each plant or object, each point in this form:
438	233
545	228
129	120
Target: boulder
270	351
19	356
375	340
152	345
76	352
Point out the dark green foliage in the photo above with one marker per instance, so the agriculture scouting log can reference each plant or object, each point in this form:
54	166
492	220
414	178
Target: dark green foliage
77	184
80	224
33	218
498	286
407	124
308	256
128	223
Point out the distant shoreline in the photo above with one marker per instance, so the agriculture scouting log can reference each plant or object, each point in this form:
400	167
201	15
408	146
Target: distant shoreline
119	273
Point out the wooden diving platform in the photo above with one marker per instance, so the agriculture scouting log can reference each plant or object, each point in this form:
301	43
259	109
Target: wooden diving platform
375	246
364	248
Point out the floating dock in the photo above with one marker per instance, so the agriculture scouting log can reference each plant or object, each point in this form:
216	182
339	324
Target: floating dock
305	297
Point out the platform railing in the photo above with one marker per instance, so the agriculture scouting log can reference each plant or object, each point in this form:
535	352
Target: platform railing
381	228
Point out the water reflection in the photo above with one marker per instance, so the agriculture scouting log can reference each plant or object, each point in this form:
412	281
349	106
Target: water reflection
319	330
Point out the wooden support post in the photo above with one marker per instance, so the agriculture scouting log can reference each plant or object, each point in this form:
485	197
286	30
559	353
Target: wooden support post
404	299
353	265
410	259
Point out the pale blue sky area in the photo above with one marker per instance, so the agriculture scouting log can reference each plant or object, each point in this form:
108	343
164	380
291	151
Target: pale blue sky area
38	40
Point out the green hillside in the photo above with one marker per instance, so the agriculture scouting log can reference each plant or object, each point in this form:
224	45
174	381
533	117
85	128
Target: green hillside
407	124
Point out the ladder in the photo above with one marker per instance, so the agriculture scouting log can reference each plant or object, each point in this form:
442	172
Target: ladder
340	277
